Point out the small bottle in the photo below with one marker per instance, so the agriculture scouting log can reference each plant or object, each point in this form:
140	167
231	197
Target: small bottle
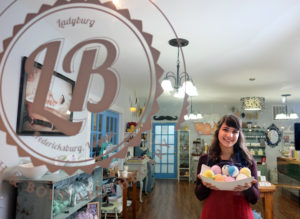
205	148
291	151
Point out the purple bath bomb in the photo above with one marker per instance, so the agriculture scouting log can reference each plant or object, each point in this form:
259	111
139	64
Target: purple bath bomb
216	169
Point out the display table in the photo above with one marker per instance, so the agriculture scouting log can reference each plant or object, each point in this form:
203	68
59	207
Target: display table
139	165
266	193
129	178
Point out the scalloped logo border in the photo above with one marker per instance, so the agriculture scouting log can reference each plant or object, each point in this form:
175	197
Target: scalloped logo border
154	109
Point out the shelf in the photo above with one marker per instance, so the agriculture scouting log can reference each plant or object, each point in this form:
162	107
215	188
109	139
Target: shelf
256	138
184	151
72	210
254	130
256	146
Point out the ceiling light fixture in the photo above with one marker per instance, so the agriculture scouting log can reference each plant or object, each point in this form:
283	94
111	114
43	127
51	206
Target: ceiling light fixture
253	103
183	82
191	115
286	115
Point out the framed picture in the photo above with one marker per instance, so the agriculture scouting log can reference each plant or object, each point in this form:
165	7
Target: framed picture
286	139
58	102
93	208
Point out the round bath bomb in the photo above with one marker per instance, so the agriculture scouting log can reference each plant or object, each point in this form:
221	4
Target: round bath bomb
209	174
220	178
229	179
246	171
233	171
225	170
241	176
216	169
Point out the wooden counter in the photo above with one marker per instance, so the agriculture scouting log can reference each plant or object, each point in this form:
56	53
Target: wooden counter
289	167
266	193
289	175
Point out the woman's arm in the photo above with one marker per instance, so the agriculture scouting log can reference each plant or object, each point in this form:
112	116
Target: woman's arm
252	194
201	191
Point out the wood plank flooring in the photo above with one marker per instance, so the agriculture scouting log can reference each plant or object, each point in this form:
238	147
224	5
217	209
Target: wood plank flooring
172	200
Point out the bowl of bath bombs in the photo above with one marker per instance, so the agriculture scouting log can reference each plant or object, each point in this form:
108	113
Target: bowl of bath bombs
216	169
224	181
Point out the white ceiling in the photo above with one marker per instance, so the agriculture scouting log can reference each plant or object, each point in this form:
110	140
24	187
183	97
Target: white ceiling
230	42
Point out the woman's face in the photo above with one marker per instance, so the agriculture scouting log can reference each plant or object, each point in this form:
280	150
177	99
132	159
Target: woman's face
228	136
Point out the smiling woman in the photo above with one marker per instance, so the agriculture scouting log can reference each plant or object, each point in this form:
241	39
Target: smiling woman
228	148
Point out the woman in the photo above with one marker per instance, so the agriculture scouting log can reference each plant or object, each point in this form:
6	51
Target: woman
228	148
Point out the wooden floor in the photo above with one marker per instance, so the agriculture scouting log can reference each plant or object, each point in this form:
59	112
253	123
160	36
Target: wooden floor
170	199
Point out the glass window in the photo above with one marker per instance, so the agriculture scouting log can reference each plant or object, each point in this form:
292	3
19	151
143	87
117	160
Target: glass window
170	168
164	168
105	126
164	129
158	130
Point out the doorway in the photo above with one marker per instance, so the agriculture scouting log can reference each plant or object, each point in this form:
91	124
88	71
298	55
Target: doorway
164	150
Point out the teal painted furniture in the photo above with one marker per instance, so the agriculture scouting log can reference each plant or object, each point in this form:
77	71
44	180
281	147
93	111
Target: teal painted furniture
35	197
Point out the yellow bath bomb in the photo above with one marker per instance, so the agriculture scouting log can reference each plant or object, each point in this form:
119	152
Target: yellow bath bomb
246	171
209	174
220	178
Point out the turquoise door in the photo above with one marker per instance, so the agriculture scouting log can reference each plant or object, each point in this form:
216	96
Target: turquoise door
164	150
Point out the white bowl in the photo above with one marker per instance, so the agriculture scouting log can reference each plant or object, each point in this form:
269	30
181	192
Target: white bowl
30	171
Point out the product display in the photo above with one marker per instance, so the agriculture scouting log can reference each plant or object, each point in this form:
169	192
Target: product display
228	181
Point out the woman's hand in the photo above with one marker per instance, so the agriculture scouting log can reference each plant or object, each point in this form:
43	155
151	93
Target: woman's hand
246	186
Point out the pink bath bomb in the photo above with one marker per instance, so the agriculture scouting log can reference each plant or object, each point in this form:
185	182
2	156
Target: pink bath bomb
229	179
216	169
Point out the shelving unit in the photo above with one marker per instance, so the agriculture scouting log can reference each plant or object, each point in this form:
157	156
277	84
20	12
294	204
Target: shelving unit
184	151
256	144
35	196
255	141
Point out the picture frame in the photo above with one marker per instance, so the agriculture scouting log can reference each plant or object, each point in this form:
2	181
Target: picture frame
93	208
58	102
286	139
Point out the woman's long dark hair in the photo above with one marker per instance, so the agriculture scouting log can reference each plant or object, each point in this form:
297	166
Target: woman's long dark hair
240	148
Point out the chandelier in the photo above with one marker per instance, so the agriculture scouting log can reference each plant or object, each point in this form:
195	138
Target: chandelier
285	114
183	82
191	115
253	103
